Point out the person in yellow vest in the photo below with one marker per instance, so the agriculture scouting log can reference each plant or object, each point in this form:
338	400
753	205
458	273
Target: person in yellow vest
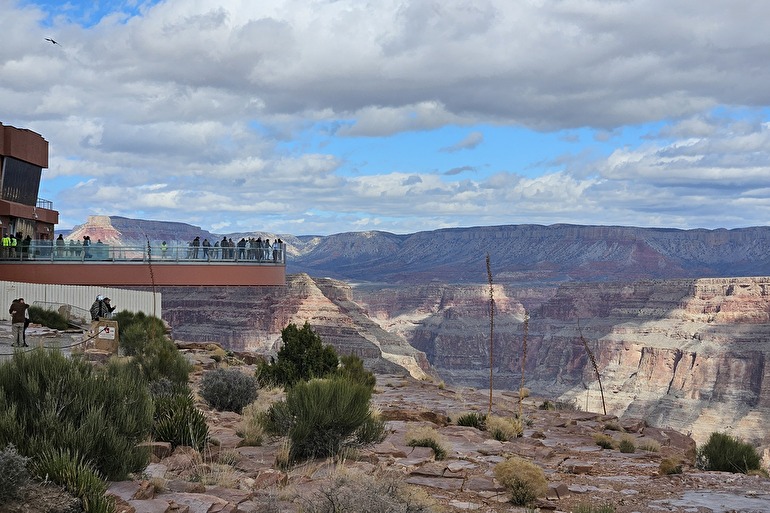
6	245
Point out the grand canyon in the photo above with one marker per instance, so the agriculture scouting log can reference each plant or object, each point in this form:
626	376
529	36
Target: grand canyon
676	320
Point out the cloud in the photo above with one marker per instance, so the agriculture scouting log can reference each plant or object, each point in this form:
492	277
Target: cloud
470	141
458	170
252	114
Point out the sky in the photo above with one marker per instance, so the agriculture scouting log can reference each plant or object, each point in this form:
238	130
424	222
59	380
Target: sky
315	117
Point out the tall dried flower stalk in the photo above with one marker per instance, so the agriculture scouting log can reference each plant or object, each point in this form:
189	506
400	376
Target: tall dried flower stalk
491	331
523	360
593	363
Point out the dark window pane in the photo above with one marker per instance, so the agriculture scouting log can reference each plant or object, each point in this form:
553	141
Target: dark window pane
21	181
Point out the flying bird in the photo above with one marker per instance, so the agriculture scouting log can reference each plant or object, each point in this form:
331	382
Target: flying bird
52	41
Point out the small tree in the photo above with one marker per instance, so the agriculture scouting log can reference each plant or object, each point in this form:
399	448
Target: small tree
303	356
728	454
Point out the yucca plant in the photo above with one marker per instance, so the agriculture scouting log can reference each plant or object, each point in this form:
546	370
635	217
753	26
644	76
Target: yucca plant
178	422
78	476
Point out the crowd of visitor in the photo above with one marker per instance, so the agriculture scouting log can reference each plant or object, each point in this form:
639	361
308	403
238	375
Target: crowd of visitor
246	249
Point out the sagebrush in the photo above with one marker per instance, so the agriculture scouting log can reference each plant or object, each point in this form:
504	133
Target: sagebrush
228	389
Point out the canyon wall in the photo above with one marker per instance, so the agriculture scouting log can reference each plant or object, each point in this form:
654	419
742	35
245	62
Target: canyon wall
250	319
686	354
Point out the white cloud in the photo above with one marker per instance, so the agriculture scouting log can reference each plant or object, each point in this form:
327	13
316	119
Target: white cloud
199	111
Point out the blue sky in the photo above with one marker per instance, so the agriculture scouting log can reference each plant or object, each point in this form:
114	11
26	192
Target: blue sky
317	117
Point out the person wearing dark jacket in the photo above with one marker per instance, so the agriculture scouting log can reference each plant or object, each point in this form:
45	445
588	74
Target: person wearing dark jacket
17	310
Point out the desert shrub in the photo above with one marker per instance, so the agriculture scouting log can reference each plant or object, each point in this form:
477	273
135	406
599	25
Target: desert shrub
322	416
74	472
352	368
137	330
604	441
177	421
49	401
590	508
547	405
425	436
156	356
48	318
627	445
504	428
473	419
165	386
381	493
251	426
728	454
613	425
303	356
524	480
228	389
649	446
13	473
669	466
566	405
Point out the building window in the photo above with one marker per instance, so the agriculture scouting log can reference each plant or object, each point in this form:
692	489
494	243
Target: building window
20	181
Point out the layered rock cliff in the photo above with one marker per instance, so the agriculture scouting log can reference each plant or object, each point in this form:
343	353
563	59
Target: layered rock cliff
689	354
250	319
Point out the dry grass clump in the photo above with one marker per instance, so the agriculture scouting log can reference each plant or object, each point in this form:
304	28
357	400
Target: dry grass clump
352	492
649	446
250	428
426	436
524	480
504	428
613	426
669	467
627	445
604	441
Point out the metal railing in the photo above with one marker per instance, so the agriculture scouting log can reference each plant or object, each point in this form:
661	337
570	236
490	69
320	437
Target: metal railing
50	251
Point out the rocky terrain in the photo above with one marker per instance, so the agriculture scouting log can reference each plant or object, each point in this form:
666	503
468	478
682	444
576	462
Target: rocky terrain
677	320
228	477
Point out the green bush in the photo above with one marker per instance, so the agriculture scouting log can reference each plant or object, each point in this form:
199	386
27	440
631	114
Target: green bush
547	405
524	480
303	356
165	386
228	389
48	401
473	419
153	354
136	330
13	473
178	422
352	369
48	318
72	471
322	416
728	454
627	445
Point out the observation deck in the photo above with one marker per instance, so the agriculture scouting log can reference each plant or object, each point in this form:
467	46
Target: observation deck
146	266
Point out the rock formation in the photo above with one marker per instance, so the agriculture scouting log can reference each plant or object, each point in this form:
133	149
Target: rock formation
689	354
